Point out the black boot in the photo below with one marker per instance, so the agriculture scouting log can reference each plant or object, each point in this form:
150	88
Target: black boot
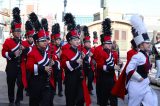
17	103
11	104
60	94
91	93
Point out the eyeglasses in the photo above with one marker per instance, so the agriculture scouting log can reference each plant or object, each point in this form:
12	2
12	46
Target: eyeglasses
42	40
18	30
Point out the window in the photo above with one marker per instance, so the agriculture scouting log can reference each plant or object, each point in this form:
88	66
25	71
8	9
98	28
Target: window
116	34
96	16
123	35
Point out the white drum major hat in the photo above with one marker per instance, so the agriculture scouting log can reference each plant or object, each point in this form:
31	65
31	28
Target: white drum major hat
139	30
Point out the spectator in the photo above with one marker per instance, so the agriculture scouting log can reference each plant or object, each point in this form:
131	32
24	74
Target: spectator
156	53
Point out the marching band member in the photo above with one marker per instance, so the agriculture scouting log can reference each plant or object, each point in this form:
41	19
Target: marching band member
95	44
95	41
44	24
138	68
105	60
119	88
156	52
12	50
28	44
57	49
87	60
40	67
52	53
71	63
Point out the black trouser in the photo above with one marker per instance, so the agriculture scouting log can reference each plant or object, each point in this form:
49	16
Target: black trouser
52	94
39	91
28	77
97	92
73	89
105	82
89	74
58	79
43	99
14	76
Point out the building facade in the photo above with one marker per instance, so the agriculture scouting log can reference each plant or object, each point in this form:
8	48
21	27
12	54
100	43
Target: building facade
121	33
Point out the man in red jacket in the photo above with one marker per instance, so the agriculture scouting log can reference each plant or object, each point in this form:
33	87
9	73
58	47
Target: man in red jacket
119	88
71	62
28	44
40	64
105	67
12	50
87	60
95	41
57	50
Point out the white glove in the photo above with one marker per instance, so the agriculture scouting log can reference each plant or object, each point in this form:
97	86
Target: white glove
116	67
17	53
48	69
90	54
52	62
79	61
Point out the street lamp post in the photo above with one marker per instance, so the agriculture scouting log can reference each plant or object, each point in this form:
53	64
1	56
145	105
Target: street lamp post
65	4
19	3
64	12
37	6
105	8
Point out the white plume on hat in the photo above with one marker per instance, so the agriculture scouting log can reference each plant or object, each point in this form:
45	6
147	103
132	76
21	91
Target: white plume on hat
140	29
138	24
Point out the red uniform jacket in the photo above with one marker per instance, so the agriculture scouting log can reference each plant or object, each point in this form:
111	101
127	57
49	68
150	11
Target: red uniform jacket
52	51
68	61
93	49
9	47
57	51
101	56
28	49
119	89
88	57
35	59
66	46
